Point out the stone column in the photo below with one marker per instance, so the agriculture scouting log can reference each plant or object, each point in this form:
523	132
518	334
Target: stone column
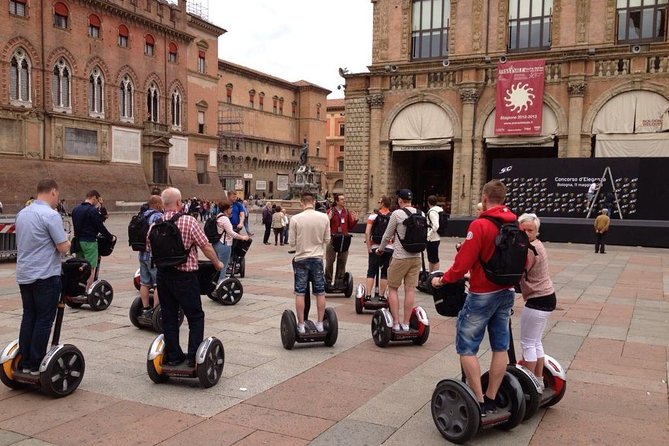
357	152
375	101
576	89
462	183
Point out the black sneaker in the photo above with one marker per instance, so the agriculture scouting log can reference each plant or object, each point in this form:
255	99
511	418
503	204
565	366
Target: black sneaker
175	363
191	362
368	298
489	406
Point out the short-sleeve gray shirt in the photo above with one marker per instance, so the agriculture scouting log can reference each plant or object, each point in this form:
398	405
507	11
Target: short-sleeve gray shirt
38	230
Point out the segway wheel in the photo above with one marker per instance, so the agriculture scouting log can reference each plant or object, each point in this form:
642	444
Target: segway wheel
6	380
64	372
101	296
455	413
288	329
510	398
414	324
332	328
532	396
230	291
71	304
358	305
551	382
380	331
157	319
135	309
210	371
242	268
348	284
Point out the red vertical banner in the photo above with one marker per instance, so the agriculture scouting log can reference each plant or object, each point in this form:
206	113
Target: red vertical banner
520	97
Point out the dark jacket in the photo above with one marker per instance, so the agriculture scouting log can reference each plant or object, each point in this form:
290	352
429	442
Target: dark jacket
88	223
267	216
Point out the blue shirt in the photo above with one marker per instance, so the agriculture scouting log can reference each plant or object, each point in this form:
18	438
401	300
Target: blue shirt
237	207
38	230
145	255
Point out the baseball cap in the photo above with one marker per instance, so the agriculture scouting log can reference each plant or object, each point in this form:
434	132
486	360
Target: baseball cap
405	194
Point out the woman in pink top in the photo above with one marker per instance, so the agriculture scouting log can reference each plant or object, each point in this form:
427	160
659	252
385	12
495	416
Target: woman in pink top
539	296
224	246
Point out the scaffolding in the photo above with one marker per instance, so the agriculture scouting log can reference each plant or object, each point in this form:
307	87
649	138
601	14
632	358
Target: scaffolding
230	145
199	8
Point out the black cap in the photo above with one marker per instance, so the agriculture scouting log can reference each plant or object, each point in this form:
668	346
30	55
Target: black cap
405	194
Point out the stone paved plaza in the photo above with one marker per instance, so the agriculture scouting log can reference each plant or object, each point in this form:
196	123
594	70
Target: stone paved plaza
610	330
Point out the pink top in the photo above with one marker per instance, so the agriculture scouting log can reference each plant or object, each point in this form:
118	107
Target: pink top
225	227
537	282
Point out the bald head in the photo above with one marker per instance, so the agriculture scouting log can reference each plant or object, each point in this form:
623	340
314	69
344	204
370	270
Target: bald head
171	198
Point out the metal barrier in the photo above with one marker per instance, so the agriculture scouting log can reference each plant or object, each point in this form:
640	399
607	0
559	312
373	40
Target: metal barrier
7	238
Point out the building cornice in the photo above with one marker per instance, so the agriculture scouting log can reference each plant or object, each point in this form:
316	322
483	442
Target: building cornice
203	25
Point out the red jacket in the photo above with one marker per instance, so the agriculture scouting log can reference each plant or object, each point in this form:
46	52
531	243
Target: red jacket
335	220
480	241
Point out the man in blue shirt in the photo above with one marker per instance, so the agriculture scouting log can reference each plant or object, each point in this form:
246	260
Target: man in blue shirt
147	272
88	223
238	215
40	240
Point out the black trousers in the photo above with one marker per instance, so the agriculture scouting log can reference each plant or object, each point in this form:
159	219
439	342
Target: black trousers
268	230
599	242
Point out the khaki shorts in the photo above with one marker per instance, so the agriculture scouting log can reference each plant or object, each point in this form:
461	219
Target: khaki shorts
403	269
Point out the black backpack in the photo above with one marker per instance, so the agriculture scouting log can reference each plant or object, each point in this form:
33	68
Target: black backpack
415	237
167	246
443	222
507	264
211	229
379	227
138	228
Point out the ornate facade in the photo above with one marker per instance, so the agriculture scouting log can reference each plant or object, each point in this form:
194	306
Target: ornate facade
439	58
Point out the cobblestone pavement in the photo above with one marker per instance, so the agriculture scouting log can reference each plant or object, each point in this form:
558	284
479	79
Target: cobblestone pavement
611	331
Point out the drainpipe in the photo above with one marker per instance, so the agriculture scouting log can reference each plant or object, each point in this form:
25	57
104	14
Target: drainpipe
43	80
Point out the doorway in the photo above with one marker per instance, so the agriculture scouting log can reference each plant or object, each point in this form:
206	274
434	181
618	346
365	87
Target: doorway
425	173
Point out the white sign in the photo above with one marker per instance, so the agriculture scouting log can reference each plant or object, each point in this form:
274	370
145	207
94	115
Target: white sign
281	182
239	185
248	176
213	157
179	151
126	145
261	185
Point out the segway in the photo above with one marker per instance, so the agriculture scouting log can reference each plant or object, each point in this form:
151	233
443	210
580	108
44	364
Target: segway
290	335
100	294
209	361
237	264
383	333
62	369
341	243
376	301
228	292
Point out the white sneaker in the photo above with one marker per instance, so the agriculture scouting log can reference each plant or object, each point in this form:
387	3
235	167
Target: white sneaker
542	387
319	326
300	329
405	327
396	327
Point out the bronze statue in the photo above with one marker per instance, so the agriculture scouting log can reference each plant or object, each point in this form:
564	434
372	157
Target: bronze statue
304	153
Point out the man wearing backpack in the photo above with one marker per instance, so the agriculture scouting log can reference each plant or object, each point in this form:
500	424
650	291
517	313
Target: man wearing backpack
488	303
405	265
377	223
178	285
433	237
341	222
147	271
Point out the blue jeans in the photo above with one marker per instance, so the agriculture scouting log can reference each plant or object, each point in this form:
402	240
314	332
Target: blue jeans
180	289
309	270
491	310
285	234
223	253
40	302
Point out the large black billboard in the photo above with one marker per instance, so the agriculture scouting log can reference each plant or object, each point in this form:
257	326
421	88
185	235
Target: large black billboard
558	187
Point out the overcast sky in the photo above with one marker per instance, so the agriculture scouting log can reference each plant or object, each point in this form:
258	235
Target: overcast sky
296	39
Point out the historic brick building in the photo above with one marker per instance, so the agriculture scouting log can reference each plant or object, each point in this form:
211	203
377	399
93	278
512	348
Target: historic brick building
336	146
423	117
262	122
106	94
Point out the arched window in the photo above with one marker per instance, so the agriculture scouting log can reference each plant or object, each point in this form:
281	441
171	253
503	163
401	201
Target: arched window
61	85
430	23
201	61
172	55
281	106
275	101
96	93
228	93
19	77
60	15
149	45
125	98
94	26
261	100
176	109
152	102
123	35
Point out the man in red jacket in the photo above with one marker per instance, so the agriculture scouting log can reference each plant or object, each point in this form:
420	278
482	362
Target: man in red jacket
341	222
488	304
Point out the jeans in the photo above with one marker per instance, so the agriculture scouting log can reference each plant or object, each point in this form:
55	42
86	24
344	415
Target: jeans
491	310
180	289
223	253
268	230
40	302
309	270
285	234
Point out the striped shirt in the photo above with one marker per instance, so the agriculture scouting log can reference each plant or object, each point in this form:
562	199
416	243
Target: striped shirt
192	236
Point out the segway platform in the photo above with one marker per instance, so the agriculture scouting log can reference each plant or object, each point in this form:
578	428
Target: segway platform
290	335
383	333
346	288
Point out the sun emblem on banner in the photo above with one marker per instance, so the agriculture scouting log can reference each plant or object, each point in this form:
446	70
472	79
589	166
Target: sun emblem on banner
519	97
